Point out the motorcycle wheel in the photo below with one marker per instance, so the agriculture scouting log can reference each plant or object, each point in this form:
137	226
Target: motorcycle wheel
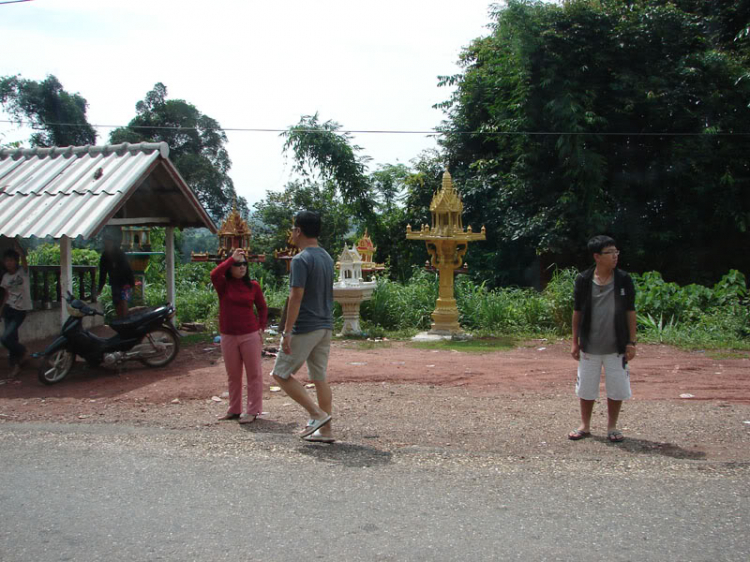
55	367
167	344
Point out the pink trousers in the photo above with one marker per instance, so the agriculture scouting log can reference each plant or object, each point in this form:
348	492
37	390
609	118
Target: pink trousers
238	351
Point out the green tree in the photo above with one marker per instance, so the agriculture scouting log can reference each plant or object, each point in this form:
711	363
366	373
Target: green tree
58	116
273	217
321	151
196	144
606	116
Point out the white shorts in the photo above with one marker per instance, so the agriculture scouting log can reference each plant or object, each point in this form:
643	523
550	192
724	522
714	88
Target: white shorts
310	347
616	376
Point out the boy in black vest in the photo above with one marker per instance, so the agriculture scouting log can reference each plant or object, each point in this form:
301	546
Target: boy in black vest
604	326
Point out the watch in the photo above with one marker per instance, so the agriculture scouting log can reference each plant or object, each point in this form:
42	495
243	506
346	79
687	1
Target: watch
285	334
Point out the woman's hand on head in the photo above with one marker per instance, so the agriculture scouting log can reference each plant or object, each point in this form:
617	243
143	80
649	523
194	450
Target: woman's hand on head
238	255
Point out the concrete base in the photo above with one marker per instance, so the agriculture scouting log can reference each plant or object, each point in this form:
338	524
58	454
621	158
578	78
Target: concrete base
430	336
40	324
433	336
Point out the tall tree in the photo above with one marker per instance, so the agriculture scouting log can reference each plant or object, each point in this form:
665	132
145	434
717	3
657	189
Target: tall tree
58	116
196	144
321	150
273	216
606	116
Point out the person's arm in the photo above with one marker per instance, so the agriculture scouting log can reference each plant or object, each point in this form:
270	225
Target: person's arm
292	312
575	349
22	254
630	350
219	275
102	272
632	319
261	307
128	270
3	292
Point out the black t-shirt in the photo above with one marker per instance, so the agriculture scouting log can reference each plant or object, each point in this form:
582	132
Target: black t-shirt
118	268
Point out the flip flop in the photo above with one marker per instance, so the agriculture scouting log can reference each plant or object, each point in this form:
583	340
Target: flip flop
615	436
316	425
577	434
229	416
247	418
318	438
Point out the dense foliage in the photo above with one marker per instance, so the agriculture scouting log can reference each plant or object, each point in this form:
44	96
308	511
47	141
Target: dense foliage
628	118
692	315
58	117
196	146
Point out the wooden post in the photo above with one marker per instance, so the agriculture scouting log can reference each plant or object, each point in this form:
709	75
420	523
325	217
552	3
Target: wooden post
170	264
66	275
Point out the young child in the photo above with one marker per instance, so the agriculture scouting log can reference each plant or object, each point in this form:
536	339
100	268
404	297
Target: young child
16	300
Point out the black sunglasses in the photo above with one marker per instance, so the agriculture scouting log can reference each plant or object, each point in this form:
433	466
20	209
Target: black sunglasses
239	264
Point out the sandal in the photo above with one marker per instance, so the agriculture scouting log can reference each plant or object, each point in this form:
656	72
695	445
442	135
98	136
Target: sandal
577	434
615	436
229	416
247	418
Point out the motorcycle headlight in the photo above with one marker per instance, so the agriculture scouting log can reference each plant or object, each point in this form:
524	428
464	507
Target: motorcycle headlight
75	312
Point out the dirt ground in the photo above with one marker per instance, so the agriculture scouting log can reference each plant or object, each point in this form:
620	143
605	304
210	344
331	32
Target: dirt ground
693	406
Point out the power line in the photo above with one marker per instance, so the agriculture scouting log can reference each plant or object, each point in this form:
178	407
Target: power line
396	132
13	1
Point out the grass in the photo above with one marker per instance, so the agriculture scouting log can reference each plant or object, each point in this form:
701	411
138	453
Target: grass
483	345
364	345
726	355
193	339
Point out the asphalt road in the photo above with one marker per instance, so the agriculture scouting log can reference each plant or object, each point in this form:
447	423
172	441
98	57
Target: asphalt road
115	493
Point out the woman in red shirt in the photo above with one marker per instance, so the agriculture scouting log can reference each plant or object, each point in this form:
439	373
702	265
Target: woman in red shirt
241	334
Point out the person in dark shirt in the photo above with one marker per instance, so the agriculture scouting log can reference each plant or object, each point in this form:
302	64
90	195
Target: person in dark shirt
115	264
604	335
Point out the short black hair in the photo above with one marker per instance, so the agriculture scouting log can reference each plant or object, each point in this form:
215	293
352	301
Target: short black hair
598	243
11	253
309	223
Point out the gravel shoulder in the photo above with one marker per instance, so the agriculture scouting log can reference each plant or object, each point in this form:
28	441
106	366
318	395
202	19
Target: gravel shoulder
513	408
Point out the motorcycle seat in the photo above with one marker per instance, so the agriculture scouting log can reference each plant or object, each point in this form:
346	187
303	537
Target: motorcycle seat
139	318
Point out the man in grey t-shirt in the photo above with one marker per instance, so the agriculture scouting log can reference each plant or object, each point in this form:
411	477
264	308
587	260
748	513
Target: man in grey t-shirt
604	324
307	331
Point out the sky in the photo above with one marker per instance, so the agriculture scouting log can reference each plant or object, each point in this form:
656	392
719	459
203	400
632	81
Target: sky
252	64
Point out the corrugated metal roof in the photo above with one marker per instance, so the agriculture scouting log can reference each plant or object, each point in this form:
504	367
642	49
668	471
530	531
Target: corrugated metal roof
74	191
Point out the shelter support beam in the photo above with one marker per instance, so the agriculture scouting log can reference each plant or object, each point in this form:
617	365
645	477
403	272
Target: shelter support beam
66	275
169	243
139	221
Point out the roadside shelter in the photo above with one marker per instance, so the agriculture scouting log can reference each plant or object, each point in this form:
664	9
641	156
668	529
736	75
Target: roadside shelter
66	192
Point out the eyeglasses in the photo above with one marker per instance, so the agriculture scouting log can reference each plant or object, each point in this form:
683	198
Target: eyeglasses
239	264
611	253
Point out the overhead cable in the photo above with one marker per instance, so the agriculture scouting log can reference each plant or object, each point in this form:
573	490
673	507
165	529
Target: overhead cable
397	132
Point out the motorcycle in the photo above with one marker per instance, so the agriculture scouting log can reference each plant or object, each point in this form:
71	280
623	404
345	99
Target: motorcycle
148	337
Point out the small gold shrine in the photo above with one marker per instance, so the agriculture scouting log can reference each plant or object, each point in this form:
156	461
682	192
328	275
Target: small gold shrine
366	249
234	233
289	252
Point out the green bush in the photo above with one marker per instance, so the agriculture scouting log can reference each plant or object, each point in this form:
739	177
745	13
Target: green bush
396	306
49	254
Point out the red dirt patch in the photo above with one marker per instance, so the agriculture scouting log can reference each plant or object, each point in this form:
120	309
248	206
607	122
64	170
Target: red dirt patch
538	368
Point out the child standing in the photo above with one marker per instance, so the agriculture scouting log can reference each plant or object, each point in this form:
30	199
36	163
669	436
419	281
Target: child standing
16	300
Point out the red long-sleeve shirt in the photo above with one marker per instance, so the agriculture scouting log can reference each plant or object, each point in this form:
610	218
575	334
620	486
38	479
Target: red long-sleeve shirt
236	300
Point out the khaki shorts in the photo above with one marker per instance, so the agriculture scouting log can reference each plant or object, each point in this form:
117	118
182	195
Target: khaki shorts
313	347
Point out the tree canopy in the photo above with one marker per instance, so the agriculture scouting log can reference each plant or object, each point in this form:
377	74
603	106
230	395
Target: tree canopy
197	146
627	118
58	117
